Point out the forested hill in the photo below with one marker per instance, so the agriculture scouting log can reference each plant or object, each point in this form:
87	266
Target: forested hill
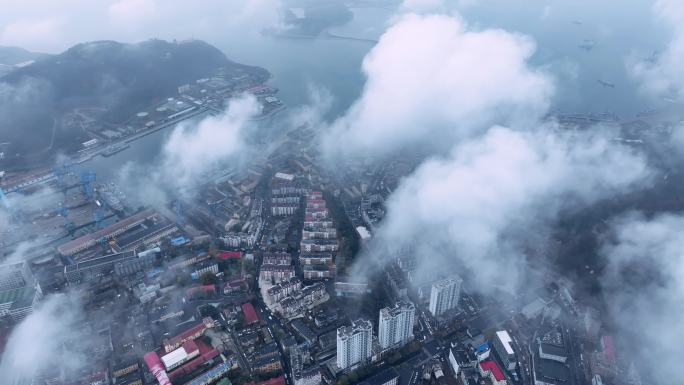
114	78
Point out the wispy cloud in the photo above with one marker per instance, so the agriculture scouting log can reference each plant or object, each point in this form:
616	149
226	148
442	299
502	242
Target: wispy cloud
193	150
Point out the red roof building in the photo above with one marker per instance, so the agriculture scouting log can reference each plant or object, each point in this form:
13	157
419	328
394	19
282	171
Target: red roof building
250	314
492	370
204	349
190	347
226	255
190	334
206	353
206	289
237	284
280	380
608	348
155	365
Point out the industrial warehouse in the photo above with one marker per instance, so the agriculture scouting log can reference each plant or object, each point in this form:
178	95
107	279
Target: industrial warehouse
126	234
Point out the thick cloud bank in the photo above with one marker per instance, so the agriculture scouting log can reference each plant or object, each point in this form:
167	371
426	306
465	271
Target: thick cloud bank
496	196
664	75
644	288
501	175
432	80
45	341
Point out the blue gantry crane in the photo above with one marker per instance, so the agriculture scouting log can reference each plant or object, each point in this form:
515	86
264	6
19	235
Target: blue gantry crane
60	172
59	175
68	223
99	217
87	179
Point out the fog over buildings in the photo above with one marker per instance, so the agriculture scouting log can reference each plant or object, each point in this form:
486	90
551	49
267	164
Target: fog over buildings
644	287
191	151
61	347
455	138
530	172
445	207
499	191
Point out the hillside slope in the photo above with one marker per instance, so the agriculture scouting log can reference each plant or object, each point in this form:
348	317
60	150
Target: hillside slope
112	80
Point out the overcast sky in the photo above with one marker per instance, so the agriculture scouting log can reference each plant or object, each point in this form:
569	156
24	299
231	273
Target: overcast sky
52	26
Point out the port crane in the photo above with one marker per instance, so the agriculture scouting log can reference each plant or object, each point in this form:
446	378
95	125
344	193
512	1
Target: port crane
68	223
60	172
98	218
87	179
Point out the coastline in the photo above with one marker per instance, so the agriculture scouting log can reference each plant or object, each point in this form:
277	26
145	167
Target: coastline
36	177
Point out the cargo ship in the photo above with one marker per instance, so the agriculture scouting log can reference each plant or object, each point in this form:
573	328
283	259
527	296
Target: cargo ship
112	196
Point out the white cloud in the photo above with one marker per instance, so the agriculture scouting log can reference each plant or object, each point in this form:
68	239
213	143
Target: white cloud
191	152
50	26
25	32
45	341
431	79
21	251
4	219
644	289
435	83
313	112
664	77
498	195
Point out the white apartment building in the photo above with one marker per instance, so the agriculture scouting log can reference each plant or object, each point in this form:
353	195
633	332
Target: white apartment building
444	295
354	344
395	327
